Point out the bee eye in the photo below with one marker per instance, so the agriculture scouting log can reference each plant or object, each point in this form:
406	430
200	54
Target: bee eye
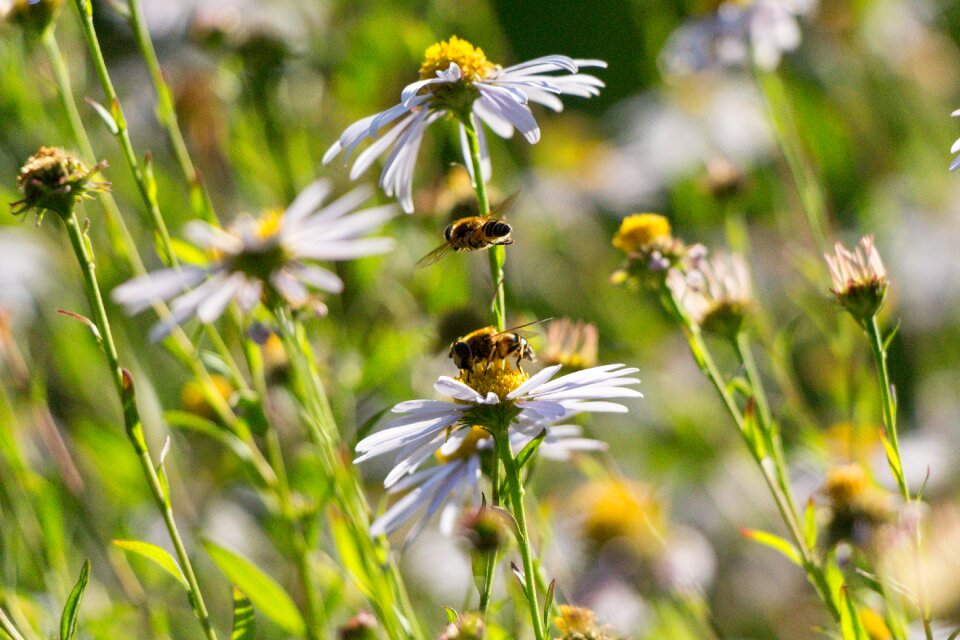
448	232
461	354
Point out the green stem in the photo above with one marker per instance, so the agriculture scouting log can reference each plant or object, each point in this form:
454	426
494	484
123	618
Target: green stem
123	383
774	475
167	115
120	131
784	127
890	428
497	254
492	557
400	620
515	486
8	627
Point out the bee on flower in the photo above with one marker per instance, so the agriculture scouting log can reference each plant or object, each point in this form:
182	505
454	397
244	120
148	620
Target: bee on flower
457	80
651	249
269	259
859	279
716	295
457	433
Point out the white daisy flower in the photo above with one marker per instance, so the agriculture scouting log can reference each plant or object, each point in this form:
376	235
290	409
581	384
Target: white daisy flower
757	31
454	483
456	79
485	395
268	256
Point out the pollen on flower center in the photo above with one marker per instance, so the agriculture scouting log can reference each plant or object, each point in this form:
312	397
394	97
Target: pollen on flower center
498	377
472	61
467	447
269	223
640	231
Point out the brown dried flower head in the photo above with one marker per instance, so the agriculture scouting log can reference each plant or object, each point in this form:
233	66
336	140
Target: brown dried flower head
55	180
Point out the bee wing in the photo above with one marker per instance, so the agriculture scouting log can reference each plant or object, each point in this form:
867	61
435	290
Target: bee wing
434	256
503	206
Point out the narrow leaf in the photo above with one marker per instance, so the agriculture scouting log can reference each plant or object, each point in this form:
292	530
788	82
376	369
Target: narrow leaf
85	320
155	554
896	466
851	626
810	524
774	542
548	603
244	622
891	336
105	116
530	448
452	615
349	554
519	574
263	591
68	620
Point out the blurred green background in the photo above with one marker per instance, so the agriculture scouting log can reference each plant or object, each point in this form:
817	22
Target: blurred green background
263	89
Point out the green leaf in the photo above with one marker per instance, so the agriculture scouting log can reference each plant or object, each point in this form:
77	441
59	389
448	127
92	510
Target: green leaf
244	622
105	116
896	466
263	591
851	626
530	448
891	336
752	430
452	615
155	554
68	620
954	635
810	524
548	603
774	542
349	554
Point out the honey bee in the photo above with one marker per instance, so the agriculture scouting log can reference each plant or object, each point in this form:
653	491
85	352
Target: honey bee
485	345
473	233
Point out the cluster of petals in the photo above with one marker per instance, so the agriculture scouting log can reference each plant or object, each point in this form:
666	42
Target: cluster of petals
502	104
252	255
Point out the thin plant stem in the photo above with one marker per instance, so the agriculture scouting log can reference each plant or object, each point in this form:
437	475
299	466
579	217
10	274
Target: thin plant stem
812	198
889	403
167	115
489	569
515	487
8	627
497	254
400	621
123	382
773	474
313	611
121	133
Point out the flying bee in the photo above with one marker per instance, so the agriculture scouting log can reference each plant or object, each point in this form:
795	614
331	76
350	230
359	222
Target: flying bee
473	233
485	345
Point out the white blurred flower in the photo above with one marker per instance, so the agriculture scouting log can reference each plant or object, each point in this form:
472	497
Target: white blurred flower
26	272
271	255
716	294
456	79
757	31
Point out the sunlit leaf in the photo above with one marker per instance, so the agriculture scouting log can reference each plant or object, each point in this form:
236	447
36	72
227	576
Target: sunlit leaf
155	554
774	542
244	622
71	610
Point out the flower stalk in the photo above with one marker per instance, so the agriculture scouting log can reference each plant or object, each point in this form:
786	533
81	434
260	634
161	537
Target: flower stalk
773	471
497	254
122	134
515	487
123	382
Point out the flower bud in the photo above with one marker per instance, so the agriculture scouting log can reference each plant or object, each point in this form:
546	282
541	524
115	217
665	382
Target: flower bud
486	529
468	626
55	180
859	279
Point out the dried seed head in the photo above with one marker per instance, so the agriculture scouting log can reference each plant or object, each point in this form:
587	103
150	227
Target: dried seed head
486	529
55	180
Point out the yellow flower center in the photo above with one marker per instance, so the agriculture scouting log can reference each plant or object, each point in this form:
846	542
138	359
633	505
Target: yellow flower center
575	621
472	61
620	509
641	231
499	377
845	484
467	447
269	223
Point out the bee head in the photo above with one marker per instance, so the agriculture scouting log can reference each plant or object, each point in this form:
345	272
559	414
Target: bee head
461	353
448	232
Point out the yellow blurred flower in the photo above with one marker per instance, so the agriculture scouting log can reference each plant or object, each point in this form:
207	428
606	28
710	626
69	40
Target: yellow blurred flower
617	509
641	231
